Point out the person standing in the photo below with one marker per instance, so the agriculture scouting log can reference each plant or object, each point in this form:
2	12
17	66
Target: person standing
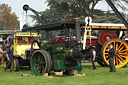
11	39
10	58
111	58
4	40
93	57
14	31
1	54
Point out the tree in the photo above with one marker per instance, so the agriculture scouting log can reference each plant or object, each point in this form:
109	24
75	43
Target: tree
66	10
105	17
8	20
80	7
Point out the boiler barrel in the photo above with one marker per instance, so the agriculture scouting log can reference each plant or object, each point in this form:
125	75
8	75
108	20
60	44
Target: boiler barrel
71	53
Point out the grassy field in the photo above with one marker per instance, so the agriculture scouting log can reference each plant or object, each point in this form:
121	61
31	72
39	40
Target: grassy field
101	76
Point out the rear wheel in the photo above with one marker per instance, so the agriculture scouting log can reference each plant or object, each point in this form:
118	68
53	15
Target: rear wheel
16	64
121	55
41	62
98	58
5	63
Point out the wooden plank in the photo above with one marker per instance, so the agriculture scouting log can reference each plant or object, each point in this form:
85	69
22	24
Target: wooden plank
46	74
80	74
73	72
59	73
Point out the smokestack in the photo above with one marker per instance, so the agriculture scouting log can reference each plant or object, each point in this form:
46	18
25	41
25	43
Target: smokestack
77	27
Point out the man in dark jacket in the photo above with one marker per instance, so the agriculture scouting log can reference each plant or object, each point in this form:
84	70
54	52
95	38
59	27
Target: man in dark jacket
10	58
111	58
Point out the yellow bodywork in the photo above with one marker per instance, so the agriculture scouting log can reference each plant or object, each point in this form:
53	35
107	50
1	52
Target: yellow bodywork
22	41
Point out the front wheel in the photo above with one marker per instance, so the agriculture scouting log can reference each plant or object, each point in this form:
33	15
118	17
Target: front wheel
16	64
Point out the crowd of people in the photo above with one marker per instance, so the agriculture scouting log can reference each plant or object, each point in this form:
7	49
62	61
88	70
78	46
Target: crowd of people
9	55
8	52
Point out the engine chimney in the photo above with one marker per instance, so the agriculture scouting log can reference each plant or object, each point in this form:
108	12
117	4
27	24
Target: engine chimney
77	27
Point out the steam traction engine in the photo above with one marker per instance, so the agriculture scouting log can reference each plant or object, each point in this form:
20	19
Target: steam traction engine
109	35
65	53
62	54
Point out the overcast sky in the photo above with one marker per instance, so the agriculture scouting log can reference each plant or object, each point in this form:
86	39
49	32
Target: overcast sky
17	5
38	5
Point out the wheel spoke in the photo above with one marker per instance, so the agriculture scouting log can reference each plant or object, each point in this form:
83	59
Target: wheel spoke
122	51
120	61
116	46
116	61
106	53
123	56
37	61
43	69
37	65
38	57
119	47
120	58
106	50
38	69
42	65
106	56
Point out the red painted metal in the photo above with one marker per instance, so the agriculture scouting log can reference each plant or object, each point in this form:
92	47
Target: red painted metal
94	41
60	39
106	34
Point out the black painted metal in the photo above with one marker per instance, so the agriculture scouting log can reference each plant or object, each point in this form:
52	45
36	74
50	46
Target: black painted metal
117	12
42	21
77	27
26	8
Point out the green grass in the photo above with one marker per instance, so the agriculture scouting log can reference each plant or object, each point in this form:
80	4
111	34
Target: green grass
101	76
